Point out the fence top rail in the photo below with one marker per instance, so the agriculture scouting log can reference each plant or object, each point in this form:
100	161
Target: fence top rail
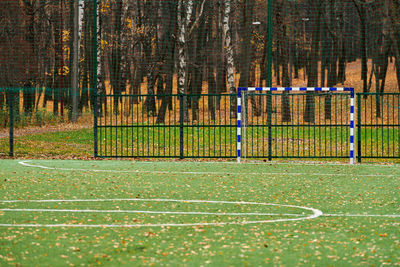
347	89
380	94
161	95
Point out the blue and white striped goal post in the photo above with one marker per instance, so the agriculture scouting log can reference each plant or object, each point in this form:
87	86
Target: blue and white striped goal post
293	89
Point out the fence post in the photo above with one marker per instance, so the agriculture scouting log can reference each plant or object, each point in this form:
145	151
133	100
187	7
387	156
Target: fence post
94	84
269	80
359	155
269	122
181	114
11	121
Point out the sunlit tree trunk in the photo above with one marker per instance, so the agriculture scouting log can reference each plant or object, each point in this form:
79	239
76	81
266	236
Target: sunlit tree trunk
227	40
183	22
100	86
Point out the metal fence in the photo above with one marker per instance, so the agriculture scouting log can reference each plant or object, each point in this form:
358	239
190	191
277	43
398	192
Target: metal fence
205	126
378	127
167	126
296	124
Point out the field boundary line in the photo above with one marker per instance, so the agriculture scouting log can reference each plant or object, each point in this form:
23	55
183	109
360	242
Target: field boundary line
315	213
361	215
27	164
194	212
155	212
271	163
255	162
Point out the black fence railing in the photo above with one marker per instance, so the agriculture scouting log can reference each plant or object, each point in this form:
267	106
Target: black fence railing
276	126
205	126
378	127
297	125
169	126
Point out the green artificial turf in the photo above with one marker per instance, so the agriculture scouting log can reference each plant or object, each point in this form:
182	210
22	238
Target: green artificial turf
63	144
340	190
216	142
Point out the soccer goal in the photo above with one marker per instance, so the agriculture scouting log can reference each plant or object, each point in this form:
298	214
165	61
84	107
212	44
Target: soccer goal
296	123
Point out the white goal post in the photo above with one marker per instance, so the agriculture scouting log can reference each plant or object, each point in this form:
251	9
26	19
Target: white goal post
241	110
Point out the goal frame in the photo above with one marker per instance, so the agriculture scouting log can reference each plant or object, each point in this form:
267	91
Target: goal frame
294	89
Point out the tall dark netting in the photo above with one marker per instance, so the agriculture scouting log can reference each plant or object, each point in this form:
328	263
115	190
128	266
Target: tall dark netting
158	78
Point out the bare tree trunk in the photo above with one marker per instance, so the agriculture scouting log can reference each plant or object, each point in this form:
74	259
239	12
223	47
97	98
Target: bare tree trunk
200	42
342	63
87	52
116	54
100	86
284	52
76	52
333	51
364	60
309	112
183	22
29	93
383	60
170	20
227	40
59	71
220	57
246	43
341	77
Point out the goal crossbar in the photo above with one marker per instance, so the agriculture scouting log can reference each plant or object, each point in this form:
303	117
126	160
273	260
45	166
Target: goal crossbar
242	90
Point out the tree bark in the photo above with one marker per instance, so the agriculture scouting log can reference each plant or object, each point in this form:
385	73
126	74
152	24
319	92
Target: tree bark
169	10
183	21
248	14
75	51
309	112
227	40
284	56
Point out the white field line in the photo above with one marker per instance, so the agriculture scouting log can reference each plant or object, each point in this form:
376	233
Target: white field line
255	162
153	212
362	215
195	213
25	163
269	163
315	213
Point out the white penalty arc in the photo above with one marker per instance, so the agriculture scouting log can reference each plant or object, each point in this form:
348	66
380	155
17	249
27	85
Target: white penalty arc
298	217
28	164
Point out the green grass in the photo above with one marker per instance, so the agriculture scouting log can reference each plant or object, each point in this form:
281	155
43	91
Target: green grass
322	241
78	143
203	141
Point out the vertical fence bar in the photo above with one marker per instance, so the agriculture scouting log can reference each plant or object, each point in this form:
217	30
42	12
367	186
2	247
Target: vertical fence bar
269	123
11	121
181	115
95	69
269	80
359	123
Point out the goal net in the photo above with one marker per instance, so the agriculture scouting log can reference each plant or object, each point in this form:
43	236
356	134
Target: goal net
297	123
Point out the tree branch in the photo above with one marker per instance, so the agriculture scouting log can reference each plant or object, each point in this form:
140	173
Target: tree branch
365	3
197	19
